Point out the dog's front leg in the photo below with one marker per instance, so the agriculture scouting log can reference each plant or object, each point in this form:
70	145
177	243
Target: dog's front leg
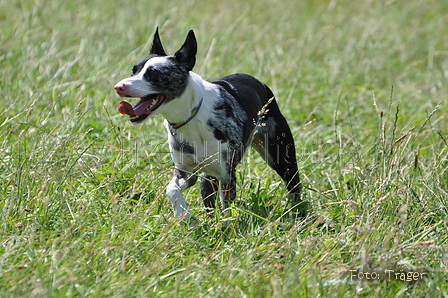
181	181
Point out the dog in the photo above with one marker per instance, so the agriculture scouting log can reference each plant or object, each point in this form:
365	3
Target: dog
210	125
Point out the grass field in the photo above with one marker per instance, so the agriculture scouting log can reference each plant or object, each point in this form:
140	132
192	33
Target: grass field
363	85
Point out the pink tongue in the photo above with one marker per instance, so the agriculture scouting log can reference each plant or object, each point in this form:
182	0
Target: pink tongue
126	109
141	106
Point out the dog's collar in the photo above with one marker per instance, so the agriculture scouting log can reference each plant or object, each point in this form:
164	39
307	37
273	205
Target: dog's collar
194	111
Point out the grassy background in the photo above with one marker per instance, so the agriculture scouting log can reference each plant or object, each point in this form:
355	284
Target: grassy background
82	206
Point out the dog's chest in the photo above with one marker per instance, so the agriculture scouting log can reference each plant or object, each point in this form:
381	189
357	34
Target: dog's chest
215	140
198	149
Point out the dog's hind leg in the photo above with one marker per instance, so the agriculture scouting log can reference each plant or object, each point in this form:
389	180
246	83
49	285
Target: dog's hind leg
209	189
181	181
274	142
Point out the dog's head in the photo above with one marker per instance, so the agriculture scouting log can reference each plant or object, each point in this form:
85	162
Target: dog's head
157	79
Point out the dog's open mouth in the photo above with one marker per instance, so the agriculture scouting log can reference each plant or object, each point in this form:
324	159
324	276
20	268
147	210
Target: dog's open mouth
143	108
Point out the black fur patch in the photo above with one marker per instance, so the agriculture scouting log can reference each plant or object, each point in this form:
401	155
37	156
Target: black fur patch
217	132
182	146
189	179
139	66
226	108
171	80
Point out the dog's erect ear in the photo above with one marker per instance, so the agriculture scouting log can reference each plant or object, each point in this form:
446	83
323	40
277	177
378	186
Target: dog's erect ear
157	48
186	55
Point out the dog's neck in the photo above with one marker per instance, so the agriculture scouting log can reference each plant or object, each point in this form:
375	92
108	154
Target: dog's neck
194	97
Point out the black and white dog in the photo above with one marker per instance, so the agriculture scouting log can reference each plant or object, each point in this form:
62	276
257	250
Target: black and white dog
210	125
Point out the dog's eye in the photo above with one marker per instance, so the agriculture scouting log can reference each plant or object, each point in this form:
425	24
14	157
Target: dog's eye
149	73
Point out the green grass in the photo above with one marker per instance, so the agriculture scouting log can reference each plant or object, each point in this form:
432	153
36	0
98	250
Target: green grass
362	83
